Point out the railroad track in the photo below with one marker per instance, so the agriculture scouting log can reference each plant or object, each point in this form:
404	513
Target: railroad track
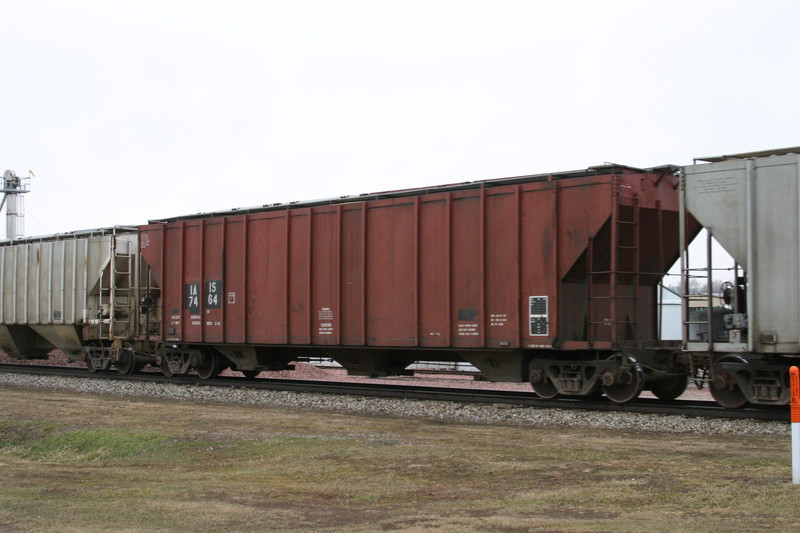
691	408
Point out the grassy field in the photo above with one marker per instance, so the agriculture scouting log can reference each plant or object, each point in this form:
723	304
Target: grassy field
73	462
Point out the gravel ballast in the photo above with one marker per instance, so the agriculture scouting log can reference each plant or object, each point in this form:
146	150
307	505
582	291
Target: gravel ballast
453	412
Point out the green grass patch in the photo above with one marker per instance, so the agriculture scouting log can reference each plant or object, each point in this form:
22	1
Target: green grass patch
54	443
93	444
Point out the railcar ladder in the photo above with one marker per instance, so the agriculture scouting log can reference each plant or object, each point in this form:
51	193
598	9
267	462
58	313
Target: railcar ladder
623	271
701	324
117	293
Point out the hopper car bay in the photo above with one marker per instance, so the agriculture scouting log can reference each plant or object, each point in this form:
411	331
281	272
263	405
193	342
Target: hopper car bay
550	278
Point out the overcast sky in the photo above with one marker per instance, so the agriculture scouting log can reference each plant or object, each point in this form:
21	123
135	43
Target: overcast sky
134	110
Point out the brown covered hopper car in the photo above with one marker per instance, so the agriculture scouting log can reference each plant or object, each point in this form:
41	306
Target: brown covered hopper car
551	278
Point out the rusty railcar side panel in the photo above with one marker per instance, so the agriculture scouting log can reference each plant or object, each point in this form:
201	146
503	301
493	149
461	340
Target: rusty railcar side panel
502	233
234	280
434	266
391	291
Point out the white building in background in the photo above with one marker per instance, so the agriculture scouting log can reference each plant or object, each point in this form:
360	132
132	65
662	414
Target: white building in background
670	307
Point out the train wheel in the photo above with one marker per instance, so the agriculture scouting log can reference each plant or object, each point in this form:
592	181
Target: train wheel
545	389
630	386
126	360
209	365
542	384
671	387
250	374
723	387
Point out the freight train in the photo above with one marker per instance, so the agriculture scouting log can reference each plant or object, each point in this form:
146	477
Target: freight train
552	279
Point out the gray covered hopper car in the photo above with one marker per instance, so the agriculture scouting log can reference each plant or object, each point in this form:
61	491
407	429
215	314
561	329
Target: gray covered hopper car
57	292
749	203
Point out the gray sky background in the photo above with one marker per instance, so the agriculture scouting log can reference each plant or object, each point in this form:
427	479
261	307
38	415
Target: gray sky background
135	110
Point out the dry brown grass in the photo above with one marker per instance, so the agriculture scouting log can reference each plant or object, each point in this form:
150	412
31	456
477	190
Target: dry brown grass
72	462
